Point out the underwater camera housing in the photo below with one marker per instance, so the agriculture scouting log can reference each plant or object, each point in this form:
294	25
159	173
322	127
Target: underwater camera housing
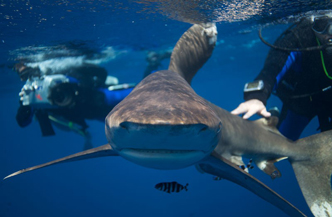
48	91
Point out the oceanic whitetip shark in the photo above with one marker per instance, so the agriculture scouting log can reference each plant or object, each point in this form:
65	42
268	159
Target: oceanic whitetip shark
164	124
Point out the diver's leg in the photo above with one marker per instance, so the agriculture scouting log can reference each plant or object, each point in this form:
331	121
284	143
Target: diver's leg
292	124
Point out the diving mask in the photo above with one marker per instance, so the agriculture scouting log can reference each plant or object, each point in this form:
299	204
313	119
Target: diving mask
322	26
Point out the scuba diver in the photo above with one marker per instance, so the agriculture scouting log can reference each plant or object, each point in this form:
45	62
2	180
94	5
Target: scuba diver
154	59
68	97
298	69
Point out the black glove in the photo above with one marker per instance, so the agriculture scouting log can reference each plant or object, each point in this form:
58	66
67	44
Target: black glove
24	115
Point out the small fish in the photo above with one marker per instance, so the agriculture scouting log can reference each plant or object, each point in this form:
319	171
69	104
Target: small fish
216	178
169	187
249	165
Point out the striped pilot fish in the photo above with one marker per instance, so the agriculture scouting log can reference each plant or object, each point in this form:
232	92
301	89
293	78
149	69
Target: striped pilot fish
170	187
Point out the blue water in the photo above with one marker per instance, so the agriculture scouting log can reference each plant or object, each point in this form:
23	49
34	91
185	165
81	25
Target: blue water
113	186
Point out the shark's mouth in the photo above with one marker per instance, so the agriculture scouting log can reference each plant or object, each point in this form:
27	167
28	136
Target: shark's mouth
163	146
162	158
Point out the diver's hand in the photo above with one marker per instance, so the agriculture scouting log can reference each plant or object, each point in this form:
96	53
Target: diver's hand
251	107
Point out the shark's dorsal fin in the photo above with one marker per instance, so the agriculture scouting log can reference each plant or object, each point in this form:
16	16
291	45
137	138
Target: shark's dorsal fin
270	124
192	50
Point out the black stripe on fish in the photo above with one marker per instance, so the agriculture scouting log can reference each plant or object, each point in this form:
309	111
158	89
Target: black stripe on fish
169	187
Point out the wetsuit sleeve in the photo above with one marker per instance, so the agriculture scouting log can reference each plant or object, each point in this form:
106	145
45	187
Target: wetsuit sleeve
274	63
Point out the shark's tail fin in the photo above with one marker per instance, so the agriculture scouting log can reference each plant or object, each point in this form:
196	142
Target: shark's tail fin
313	172
193	49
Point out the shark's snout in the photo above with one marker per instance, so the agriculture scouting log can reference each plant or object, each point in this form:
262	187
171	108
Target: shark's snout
163	146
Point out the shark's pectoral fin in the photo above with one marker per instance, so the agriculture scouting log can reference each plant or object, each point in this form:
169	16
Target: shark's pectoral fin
268	167
314	174
217	165
101	151
315	188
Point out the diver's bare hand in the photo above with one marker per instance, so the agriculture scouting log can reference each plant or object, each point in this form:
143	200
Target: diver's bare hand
251	107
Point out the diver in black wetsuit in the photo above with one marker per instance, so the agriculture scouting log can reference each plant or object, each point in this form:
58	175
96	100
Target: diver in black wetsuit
298	69
67	98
